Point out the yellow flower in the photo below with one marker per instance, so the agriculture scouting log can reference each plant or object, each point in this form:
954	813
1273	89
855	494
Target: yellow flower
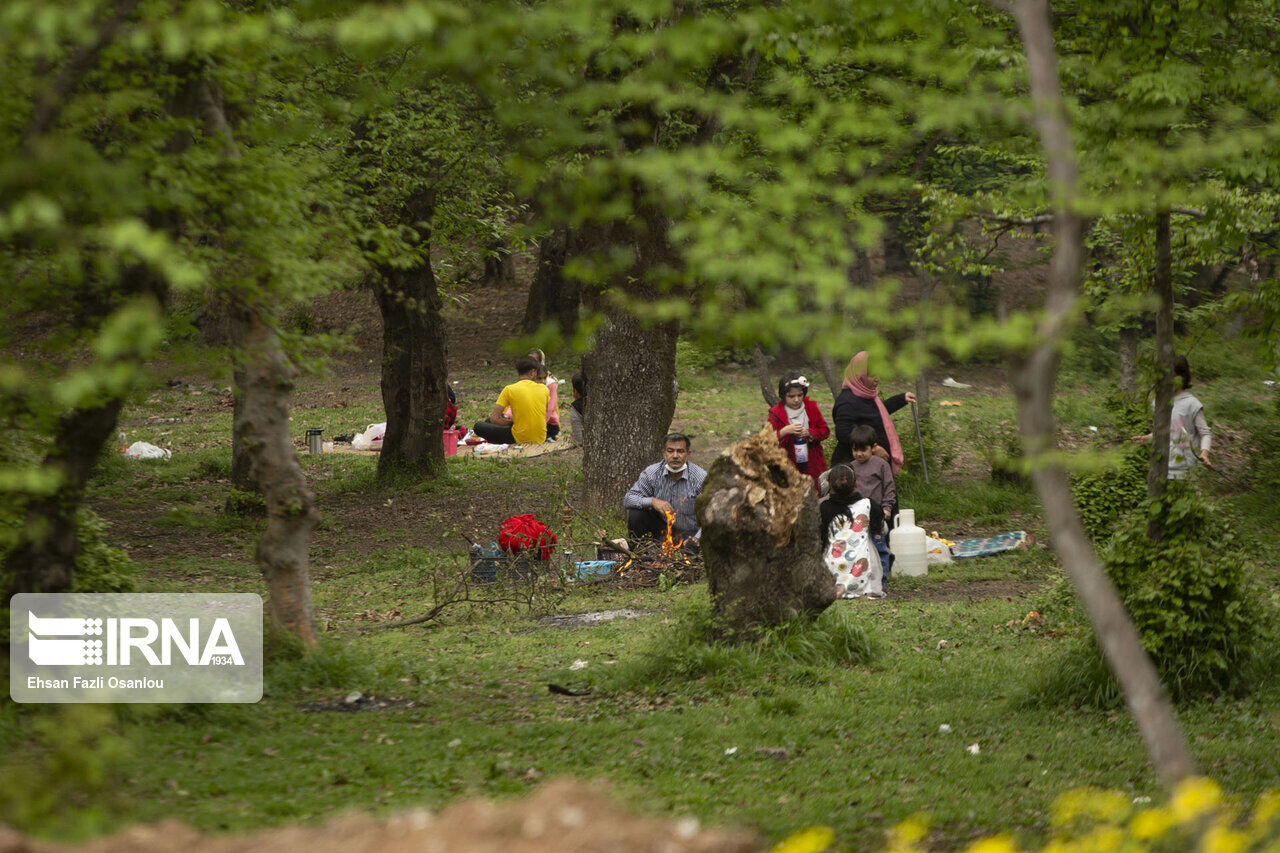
1265	811
815	839
1221	839
1150	824
1093	803
1193	798
998	844
907	833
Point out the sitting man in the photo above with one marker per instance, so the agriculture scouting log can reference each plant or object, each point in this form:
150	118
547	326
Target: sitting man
669	486
527	399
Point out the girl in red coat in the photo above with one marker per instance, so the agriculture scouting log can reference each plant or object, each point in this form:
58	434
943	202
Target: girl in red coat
800	427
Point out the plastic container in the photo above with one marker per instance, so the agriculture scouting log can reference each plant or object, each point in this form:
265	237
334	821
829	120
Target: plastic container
586	569
484	563
911	557
451	442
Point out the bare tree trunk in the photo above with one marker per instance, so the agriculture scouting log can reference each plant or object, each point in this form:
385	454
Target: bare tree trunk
263	424
1128	360
414	371
1034	382
831	373
1158	470
631	375
551	295
767	388
499	267
631	400
45	559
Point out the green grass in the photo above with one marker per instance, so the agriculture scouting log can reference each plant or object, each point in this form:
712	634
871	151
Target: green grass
675	719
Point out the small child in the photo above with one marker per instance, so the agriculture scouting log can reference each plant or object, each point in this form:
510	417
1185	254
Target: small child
851	523
875	480
576	408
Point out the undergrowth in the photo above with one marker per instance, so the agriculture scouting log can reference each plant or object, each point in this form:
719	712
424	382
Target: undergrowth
690	654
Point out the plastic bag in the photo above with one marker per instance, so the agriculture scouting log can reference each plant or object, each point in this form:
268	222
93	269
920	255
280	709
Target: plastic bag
143	450
371	438
936	551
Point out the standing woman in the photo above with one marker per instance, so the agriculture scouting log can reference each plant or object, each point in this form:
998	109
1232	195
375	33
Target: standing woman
799	425
859	403
1189	436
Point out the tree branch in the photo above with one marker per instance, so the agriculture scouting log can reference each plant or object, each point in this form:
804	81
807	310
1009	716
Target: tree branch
1034	382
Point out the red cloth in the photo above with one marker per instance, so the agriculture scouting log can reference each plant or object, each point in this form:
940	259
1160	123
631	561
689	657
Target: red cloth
818	432
522	532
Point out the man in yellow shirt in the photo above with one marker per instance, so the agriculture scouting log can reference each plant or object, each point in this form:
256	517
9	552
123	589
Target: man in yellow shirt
527	400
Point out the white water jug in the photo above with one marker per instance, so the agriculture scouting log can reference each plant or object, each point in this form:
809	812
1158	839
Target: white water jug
908	546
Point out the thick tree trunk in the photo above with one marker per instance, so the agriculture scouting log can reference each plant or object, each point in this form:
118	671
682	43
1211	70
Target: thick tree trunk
1034	382
499	268
1128	360
1158	470
552	296
414	373
761	539
767	388
263	426
45	559
631	398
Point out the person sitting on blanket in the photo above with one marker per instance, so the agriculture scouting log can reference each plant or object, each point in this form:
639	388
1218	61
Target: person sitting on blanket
850	522
553	403
527	400
666	489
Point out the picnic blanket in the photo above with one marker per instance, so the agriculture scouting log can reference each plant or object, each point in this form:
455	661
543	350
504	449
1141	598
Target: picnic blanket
990	545
510	451
515	451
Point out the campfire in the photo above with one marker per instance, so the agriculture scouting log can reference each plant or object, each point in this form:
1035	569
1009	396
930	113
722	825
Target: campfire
647	562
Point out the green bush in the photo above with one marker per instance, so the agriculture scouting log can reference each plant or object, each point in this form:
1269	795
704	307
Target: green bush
1102	497
1183	583
1186	590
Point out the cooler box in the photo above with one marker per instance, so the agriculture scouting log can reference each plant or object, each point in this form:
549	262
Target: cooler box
451	442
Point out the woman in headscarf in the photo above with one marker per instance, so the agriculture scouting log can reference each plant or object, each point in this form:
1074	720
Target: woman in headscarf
859	403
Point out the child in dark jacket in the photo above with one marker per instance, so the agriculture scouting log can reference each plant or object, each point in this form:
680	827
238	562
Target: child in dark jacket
800	426
875	481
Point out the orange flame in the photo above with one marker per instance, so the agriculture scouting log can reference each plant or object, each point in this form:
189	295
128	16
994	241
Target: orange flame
669	544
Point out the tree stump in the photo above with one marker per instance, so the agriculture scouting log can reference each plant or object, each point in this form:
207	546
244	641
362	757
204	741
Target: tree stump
760	538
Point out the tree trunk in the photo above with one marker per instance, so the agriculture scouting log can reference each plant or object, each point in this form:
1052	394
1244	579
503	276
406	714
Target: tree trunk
551	295
45	559
1034	383
1158	470
767	389
414	372
263	426
832	373
631	398
761	539
499	268
1128	360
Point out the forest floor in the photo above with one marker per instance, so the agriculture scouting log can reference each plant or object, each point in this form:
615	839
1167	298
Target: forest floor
863	721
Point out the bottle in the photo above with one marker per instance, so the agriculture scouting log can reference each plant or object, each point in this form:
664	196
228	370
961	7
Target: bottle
124	443
907	542
802	450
